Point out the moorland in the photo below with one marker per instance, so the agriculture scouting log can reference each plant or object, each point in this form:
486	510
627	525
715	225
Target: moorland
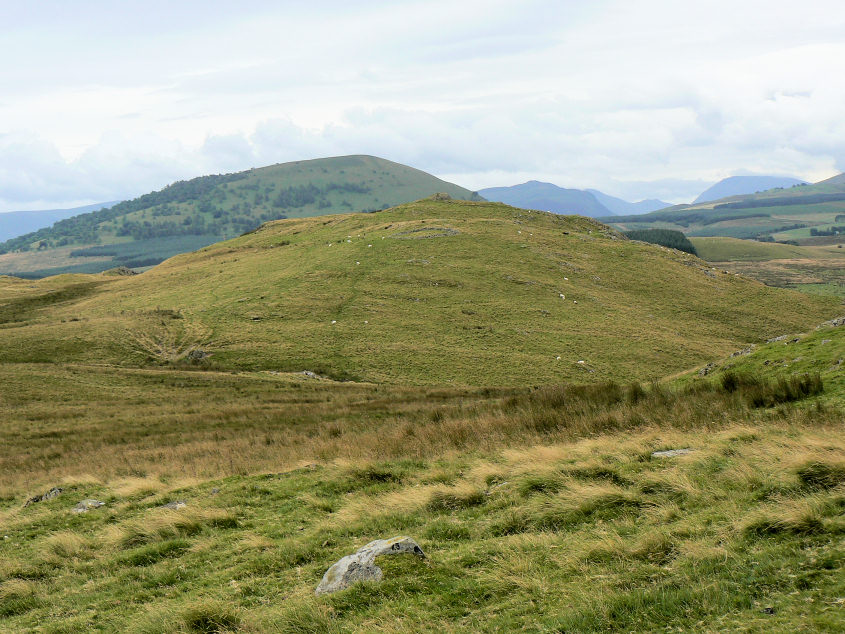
492	381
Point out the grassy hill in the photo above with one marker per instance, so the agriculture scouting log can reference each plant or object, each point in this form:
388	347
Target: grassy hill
190	214
433	292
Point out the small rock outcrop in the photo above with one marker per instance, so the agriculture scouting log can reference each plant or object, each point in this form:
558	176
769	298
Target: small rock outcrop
54	492
707	369
86	505
670	453
198	355
360	566
175	505
121	271
839	321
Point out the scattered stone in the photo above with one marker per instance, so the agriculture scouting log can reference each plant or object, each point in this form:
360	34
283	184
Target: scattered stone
54	492
773	339
120	271
197	355
310	374
670	453
742	352
422	233
215	491
707	369
255	318
839	321
824	341
86	505
175	505
360	566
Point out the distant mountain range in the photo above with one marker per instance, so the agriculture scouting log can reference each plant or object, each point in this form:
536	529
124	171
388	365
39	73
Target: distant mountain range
619	206
560	200
742	185
18	223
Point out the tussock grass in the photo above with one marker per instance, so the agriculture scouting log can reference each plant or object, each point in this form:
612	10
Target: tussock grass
617	539
149	429
19	596
210	617
161	524
69	545
821	475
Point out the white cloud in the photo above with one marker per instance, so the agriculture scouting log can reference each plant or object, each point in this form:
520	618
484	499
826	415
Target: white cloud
638	99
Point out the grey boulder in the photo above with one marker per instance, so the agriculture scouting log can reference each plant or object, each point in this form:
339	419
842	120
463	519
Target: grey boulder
360	566
86	505
54	492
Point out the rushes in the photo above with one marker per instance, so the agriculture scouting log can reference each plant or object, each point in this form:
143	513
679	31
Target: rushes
166	337
169	424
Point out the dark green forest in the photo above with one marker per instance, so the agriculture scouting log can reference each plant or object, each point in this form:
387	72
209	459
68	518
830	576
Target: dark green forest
665	237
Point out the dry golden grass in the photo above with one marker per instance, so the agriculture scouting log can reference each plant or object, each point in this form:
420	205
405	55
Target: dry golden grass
144	431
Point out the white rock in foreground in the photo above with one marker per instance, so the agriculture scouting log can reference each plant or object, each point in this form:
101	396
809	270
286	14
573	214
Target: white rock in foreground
671	453
360	566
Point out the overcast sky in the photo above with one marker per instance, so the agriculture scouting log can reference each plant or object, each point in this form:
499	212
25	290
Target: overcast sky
109	100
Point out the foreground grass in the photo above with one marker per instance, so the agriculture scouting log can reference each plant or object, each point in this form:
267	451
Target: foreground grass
541	510
744	533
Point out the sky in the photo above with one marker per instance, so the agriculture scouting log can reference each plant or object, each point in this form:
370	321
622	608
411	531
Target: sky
648	99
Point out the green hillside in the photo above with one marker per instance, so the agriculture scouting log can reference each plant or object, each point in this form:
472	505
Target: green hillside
189	214
820	351
433	292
